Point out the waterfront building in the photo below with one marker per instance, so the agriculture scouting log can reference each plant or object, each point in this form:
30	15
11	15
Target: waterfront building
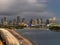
31	21
5	22
14	21
34	22
39	21
18	19
24	20
52	20
2	21
5	18
10	22
47	21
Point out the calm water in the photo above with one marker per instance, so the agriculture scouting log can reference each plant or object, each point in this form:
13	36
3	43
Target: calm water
42	37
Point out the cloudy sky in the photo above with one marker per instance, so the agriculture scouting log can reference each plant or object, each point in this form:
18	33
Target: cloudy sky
25	8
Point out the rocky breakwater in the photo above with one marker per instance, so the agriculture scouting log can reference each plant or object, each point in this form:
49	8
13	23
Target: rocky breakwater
23	40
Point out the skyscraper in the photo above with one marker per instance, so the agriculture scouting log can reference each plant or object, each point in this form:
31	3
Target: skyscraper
41	20
18	19
23	19
52	20
2	21
5	21
38	21
10	22
47	21
34	22
31	21
14	21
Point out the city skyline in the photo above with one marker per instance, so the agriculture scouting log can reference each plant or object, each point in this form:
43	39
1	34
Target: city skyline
18	19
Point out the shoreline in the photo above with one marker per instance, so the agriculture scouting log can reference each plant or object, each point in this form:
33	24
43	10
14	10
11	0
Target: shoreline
37	28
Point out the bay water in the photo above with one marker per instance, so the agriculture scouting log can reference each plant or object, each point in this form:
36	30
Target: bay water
41	37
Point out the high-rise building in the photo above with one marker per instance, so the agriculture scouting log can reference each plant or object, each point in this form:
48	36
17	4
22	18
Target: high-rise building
47	21
10	22
39	21
14	21
52	20
5	21
24	20
31	21
18	19
2	21
34	22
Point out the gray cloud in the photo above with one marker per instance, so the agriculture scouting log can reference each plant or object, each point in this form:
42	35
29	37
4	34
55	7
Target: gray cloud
24	7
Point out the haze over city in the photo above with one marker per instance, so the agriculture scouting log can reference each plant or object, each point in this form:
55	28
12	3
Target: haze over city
29	8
